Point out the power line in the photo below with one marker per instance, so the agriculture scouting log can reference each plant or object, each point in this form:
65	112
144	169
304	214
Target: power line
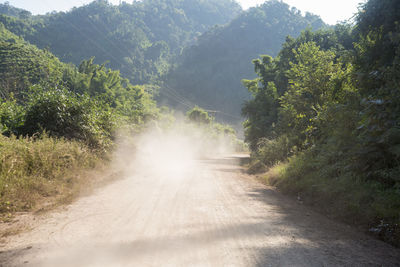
176	94
165	93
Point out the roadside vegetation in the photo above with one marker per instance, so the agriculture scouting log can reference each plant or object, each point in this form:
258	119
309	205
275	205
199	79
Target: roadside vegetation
40	169
324	119
58	122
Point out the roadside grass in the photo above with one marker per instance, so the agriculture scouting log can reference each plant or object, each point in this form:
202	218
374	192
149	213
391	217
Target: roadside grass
41	171
354	200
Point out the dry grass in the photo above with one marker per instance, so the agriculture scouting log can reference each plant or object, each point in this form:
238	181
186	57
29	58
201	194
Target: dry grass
41	170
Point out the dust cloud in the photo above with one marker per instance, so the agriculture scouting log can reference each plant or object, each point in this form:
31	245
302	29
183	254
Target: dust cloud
170	151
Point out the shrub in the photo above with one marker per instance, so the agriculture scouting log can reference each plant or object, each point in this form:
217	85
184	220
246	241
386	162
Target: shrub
62	113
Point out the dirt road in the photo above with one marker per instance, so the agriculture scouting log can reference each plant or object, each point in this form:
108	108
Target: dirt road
206	213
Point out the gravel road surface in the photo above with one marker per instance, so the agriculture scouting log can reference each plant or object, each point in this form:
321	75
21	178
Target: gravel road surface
201	213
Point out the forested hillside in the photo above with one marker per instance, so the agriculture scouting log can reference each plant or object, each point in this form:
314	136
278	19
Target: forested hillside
325	115
140	39
209	72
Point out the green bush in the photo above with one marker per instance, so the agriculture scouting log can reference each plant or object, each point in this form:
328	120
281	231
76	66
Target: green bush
62	113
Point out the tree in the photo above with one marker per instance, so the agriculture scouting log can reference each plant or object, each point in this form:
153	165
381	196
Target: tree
312	89
262	111
199	116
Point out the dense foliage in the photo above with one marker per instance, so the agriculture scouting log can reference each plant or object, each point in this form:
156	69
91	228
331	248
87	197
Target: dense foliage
297	80
377	65
140	39
210	70
39	93
334	107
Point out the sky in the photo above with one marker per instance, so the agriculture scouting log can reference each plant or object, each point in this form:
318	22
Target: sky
331	11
